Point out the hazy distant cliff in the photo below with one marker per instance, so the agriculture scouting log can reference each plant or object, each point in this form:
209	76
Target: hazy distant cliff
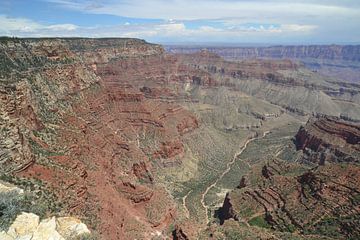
328	52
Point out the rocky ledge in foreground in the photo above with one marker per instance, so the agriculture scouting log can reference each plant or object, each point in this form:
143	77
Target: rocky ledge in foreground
329	140
29	225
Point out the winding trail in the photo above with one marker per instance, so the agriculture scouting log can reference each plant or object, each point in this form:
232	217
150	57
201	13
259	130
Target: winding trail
184	204
225	172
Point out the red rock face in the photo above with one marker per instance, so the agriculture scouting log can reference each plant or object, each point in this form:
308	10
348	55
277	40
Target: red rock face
93	119
114	125
266	70
109	111
329	140
170	149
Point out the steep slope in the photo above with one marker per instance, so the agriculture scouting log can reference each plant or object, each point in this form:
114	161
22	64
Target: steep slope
288	198
329	140
282	82
82	135
301	199
132	140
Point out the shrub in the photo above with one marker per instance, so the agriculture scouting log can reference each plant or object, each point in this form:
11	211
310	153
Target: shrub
9	208
13	203
259	221
86	236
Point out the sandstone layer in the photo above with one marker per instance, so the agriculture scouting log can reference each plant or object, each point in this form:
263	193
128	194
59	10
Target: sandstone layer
289	198
316	194
329	140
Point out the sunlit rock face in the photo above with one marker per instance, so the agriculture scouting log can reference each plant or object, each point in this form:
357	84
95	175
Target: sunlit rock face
28	226
9	188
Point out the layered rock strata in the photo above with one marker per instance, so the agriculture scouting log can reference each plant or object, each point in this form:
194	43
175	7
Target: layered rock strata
329	140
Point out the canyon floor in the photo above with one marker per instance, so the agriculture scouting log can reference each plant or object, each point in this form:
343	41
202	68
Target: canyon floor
140	143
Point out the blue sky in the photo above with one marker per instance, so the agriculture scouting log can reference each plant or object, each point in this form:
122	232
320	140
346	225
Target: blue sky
187	21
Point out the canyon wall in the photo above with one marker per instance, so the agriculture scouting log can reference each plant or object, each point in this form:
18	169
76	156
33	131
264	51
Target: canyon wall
329	140
128	137
324	52
86	132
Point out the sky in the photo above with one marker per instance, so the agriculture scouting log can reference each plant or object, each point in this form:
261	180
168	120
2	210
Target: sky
187	21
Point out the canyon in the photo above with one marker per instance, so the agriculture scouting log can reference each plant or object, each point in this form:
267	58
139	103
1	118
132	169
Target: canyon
141	143
340	61
321	52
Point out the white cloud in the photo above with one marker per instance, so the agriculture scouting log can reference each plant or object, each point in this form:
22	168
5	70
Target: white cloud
214	9
62	27
16	26
308	20
165	30
298	28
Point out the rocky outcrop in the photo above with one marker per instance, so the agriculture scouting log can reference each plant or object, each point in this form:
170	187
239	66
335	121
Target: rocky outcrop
28	226
170	149
227	212
243	183
266	172
8	188
297	199
329	140
178	234
142	172
187	125
248	69
75	112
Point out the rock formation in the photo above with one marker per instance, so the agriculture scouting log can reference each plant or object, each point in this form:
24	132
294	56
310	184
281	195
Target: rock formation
227	212
329	140
8	188
307	203
28	226
81	111
118	130
178	234
300	198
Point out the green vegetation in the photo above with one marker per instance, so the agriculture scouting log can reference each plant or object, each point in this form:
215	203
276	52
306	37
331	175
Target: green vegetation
5	39
12	204
233	235
356	199
259	221
38	150
36	199
328	227
86	236
291	228
246	212
6	66
338	227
